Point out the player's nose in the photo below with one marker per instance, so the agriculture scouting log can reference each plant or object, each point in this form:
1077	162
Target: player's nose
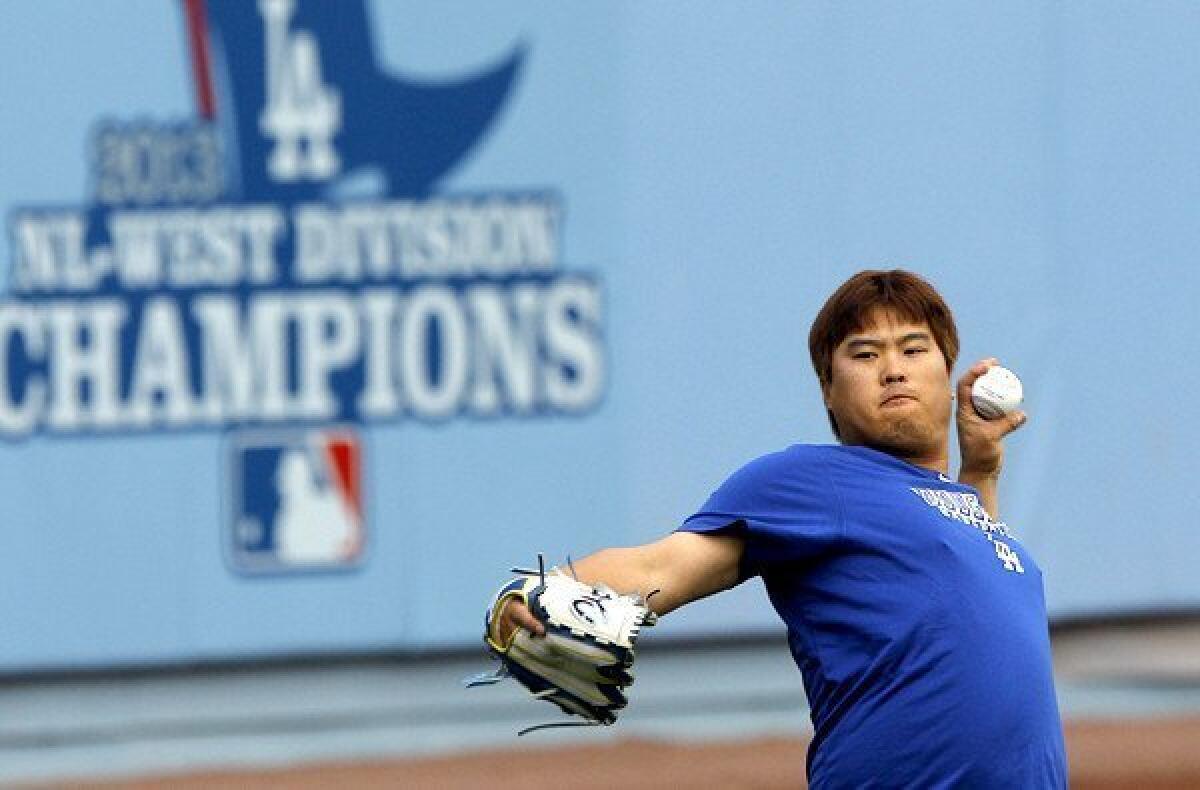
892	371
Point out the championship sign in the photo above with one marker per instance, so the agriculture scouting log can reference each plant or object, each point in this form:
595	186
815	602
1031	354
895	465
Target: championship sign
287	261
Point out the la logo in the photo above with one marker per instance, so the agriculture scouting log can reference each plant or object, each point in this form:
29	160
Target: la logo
1012	562
301	114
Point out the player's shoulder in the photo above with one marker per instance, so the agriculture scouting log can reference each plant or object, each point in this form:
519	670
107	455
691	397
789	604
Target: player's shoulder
794	460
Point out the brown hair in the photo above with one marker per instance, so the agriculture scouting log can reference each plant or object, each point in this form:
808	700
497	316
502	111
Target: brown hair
909	296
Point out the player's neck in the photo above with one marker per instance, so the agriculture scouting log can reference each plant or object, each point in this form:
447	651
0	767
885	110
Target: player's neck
937	462
935	459
932	454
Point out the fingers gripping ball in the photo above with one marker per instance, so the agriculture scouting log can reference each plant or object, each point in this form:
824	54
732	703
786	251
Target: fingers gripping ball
996	393
585	660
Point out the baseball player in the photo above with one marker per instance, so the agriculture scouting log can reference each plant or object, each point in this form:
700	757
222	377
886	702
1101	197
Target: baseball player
915	616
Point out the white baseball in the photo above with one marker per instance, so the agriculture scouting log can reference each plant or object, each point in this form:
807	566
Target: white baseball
996	393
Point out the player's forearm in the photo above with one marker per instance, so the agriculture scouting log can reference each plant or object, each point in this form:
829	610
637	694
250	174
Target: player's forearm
988	487
681	567
632	570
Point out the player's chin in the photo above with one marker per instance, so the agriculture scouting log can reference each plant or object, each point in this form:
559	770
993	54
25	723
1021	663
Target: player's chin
907	435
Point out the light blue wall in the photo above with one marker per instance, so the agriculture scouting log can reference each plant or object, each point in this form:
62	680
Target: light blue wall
722	171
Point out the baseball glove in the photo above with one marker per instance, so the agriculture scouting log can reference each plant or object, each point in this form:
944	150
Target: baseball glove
585	659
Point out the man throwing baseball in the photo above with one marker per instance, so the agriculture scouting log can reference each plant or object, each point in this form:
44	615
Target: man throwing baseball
916	618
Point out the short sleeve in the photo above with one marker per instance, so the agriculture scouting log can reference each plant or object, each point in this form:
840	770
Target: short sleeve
782	504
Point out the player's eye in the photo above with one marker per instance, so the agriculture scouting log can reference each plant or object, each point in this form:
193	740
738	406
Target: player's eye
864	355
915	350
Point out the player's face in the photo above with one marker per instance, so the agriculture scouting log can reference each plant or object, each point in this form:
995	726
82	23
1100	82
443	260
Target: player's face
890	389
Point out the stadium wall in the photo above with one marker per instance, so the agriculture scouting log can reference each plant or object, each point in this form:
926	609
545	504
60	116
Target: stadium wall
555	286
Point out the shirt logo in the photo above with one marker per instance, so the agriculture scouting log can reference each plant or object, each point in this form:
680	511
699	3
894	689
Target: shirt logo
966	508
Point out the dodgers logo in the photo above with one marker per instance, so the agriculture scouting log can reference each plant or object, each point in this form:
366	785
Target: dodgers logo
288	259
308	105
301	114
296	500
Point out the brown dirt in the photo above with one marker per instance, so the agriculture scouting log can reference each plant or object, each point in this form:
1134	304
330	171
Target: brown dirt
1104	755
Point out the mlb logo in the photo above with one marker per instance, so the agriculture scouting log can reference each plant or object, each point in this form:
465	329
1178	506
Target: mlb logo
297	502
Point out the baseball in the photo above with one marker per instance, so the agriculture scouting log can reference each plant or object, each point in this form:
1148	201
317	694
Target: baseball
996	393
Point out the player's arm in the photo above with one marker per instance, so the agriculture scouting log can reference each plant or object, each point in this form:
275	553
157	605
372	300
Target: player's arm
682	567
981	442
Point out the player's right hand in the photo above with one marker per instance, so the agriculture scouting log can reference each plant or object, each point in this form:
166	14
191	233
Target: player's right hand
515	614
981	441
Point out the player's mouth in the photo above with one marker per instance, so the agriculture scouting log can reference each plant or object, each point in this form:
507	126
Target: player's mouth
896	399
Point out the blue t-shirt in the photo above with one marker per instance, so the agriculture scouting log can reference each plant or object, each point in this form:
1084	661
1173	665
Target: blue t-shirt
918	623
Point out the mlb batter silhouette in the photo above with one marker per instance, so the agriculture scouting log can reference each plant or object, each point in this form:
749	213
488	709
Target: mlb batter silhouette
314	524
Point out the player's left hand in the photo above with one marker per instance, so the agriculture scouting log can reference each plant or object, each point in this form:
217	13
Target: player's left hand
980	441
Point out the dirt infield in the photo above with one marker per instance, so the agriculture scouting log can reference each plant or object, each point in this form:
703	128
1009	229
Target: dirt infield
1116	755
